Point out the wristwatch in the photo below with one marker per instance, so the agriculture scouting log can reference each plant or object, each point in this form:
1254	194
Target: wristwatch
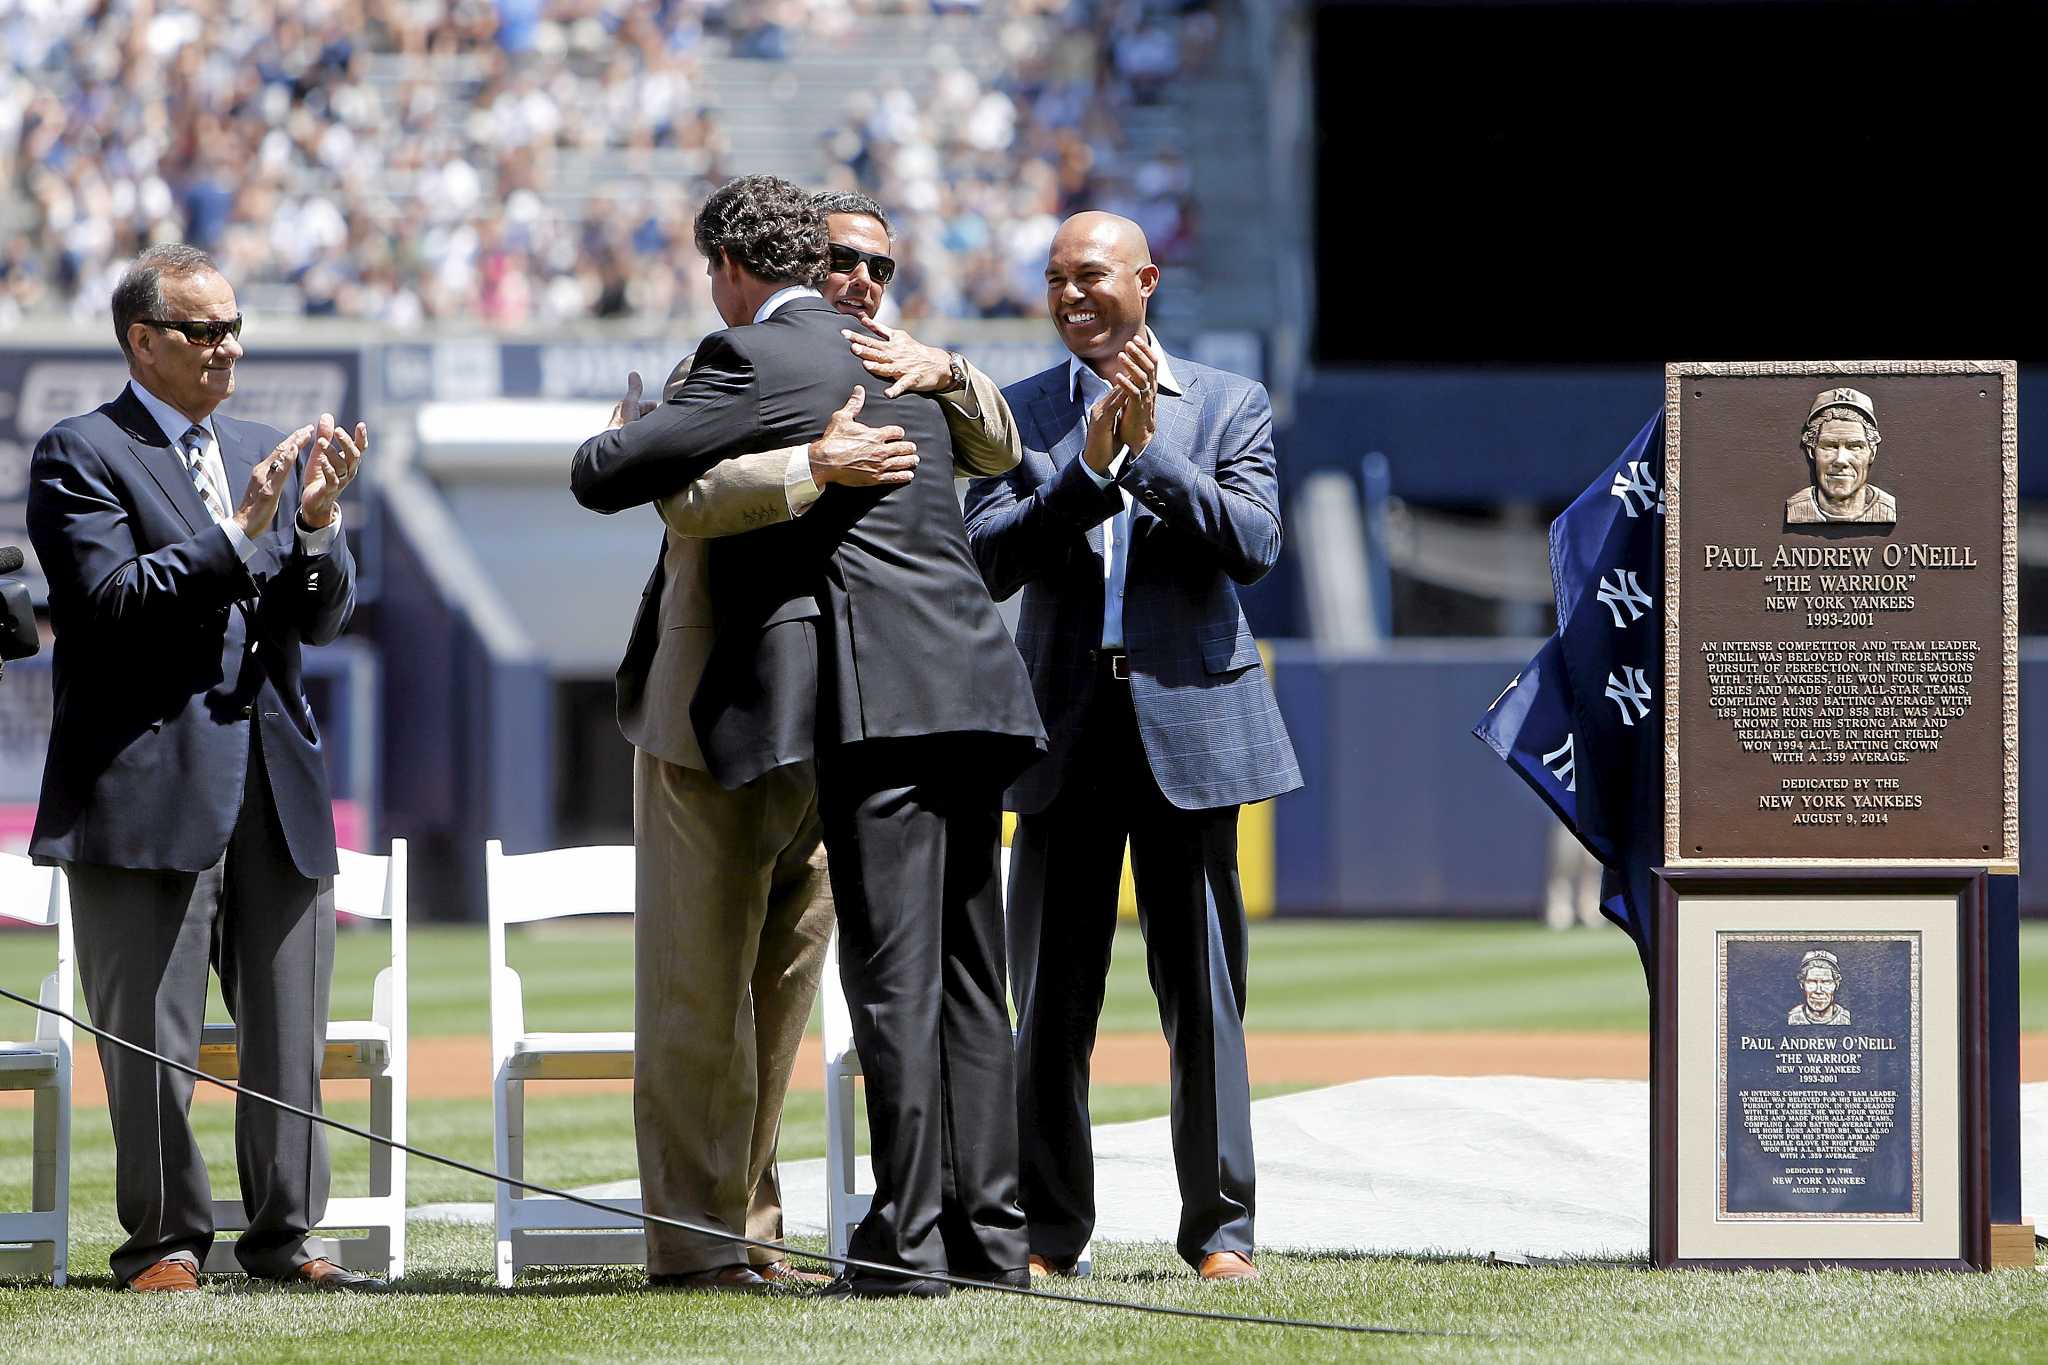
959	364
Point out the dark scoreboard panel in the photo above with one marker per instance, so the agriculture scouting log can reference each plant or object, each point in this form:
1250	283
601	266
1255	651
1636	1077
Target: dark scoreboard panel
1504	182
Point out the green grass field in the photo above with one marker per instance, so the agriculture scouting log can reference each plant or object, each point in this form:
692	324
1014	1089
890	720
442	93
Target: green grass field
1319	977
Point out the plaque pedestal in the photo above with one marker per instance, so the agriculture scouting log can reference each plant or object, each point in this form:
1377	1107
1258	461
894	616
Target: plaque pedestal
1841	754
2012	1246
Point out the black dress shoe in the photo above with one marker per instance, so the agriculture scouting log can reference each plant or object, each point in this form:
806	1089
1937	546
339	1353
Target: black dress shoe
1007	1279
884	1287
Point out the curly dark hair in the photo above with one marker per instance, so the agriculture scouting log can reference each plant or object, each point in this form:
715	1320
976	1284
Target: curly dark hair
766	224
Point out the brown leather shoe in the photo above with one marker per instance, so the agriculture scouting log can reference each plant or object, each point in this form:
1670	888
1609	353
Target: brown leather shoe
166	1277
325	1274
1042	1266
782	1272
1228	1265
730	1279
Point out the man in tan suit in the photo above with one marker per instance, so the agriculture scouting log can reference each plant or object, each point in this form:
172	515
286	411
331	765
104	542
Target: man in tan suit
735	911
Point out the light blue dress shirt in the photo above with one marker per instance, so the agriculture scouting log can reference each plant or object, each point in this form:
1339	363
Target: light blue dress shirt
1116	532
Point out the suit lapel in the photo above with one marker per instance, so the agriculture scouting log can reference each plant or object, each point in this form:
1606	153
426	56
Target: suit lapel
238	461
164	464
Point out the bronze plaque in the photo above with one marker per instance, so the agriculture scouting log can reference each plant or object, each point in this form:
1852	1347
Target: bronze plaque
1841	613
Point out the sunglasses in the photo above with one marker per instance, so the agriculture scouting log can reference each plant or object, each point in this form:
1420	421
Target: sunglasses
845	260
200	333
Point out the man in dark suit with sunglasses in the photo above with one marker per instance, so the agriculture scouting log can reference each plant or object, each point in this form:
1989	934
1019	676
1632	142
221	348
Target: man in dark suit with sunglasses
189	554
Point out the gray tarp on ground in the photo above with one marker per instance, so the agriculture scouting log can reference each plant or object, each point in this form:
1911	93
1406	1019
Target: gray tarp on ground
1461	1164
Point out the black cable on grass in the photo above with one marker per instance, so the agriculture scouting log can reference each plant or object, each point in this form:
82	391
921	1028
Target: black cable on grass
736	1239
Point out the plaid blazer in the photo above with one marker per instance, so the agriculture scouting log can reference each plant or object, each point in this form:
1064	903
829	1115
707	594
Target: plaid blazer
1205	517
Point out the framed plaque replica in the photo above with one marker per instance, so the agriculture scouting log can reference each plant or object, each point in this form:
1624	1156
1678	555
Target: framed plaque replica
1841	755
1819	1070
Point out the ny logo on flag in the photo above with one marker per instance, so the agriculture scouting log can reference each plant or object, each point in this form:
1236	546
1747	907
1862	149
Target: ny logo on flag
1637	481
1631	686
1567	771
1624	592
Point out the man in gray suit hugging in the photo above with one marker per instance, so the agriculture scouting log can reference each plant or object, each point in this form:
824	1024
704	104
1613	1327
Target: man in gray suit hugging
1145	496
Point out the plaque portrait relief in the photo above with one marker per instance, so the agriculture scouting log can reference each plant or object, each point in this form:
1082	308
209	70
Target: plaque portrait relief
1840	440
1810	1138
1820	981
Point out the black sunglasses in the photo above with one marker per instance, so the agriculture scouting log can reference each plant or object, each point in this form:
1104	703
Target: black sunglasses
200	333
845	260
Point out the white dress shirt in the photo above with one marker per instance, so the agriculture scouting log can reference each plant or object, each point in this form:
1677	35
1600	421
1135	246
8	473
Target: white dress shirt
174	425
797	485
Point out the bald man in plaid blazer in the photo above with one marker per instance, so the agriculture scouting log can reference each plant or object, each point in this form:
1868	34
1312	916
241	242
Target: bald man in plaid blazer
1146	496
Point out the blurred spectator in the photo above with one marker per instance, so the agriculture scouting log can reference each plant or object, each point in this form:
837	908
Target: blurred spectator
517	162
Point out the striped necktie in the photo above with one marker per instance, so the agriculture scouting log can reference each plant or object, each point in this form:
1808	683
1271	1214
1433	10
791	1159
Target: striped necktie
194	444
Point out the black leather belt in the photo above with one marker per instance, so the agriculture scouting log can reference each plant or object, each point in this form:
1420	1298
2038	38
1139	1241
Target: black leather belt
1115	663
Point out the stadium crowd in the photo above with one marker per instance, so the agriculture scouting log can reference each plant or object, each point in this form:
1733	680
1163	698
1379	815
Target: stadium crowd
401	162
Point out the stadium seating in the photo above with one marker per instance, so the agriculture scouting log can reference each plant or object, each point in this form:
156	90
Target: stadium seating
369	887
524	889
425	168
38	1241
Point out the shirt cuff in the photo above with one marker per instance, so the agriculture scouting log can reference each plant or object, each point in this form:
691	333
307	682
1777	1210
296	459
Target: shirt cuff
320	541
1116	469
797	485
245	548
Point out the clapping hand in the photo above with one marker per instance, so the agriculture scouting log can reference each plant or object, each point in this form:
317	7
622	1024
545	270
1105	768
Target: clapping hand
1104	418
335	458
1137	379
266	483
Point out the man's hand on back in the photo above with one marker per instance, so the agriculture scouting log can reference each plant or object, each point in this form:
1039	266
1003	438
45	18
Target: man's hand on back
861	456
632	407
900	357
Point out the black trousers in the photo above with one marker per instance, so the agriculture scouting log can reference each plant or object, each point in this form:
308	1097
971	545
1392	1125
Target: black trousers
145	941
912	832
1065	866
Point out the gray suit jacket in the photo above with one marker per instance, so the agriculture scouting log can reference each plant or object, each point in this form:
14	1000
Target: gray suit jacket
742	494
1205	518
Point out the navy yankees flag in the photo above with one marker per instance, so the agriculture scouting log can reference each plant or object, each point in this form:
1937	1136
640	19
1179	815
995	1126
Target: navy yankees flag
1583	723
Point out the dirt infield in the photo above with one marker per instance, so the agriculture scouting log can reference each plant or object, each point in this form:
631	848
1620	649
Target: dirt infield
460	1068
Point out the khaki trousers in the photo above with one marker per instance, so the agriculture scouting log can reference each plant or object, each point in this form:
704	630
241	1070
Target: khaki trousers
733	917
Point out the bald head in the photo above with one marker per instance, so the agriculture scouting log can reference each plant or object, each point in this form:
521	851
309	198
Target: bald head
1098	277
1109	233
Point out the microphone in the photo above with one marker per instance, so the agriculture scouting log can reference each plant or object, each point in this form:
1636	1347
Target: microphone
18	637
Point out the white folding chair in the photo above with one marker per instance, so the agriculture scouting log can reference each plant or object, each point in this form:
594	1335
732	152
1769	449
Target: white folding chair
522	889
373	1049
845	1202
38	1242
